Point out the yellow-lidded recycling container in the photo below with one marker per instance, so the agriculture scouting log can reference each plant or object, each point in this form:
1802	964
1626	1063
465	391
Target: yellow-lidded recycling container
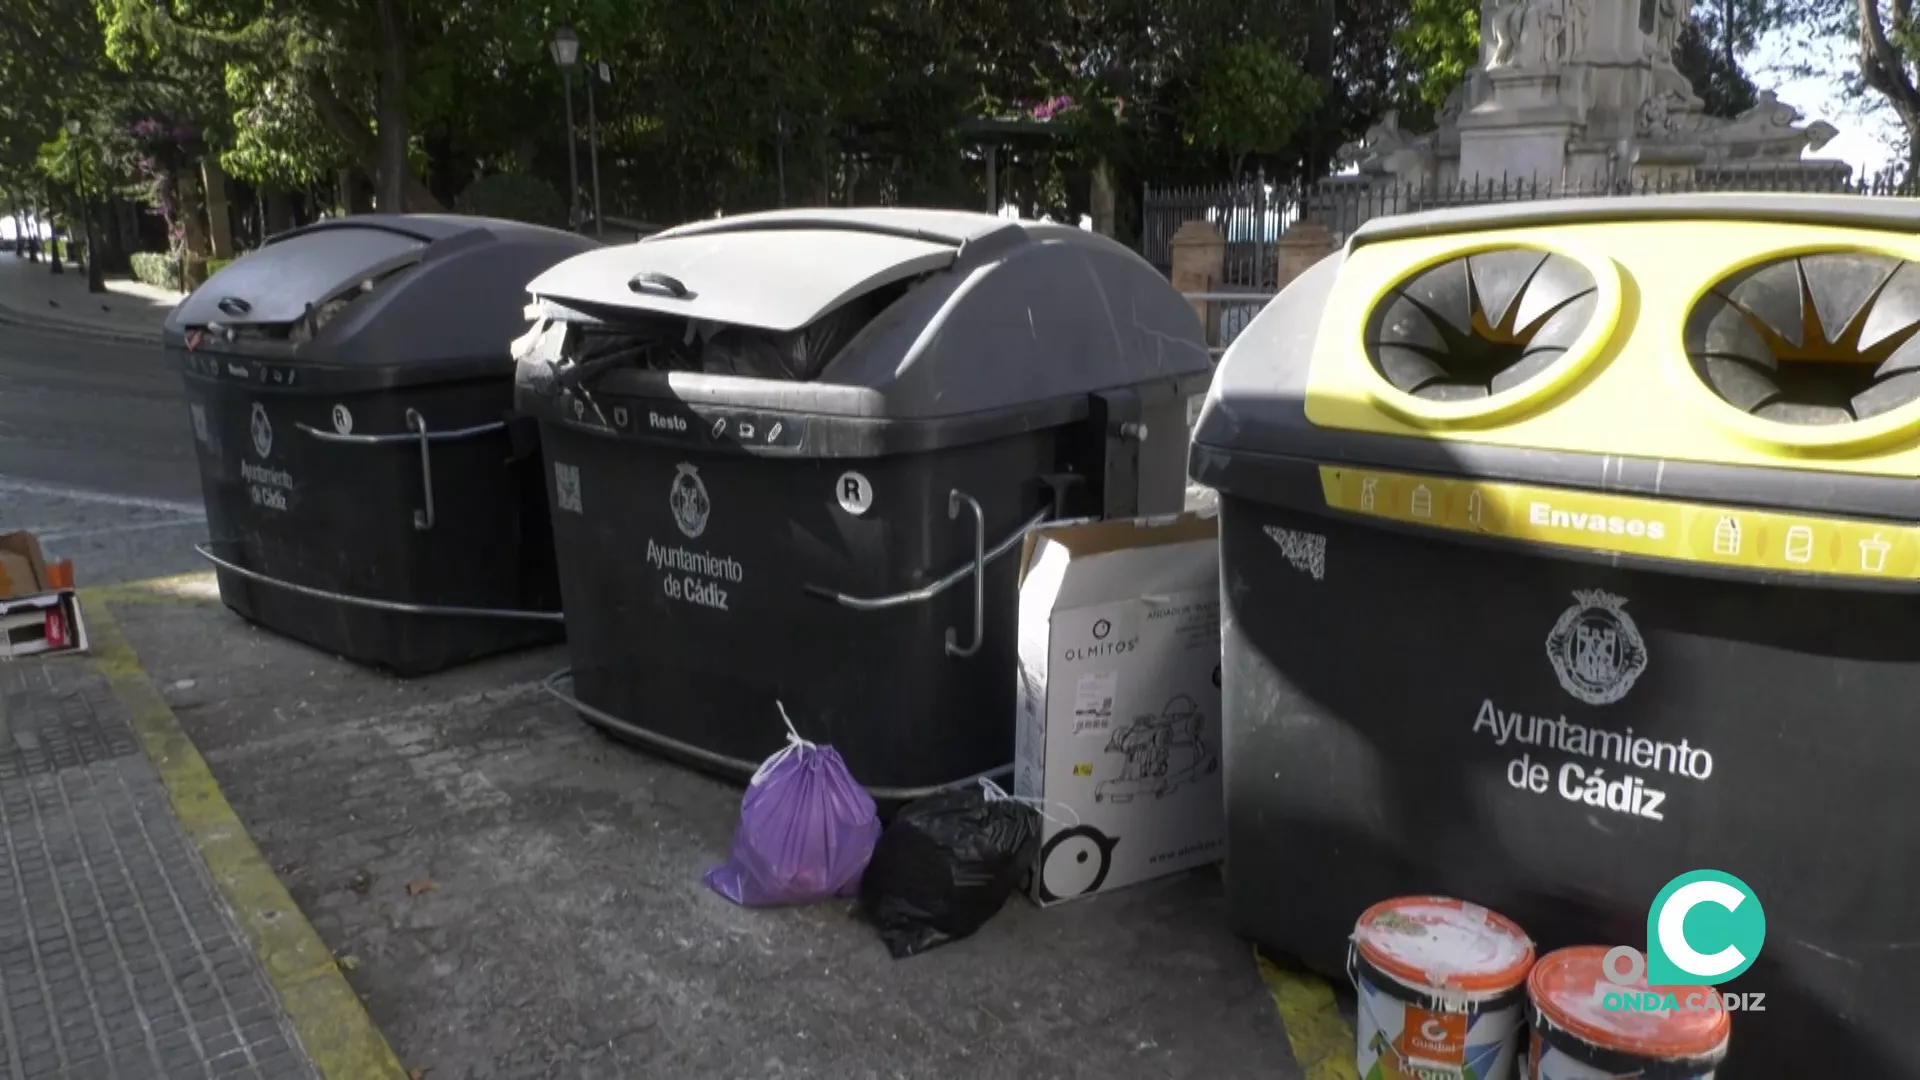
1572	546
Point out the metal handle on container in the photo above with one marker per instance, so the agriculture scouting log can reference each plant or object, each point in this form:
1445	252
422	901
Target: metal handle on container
397	607
975	567
955	499
417	432
652	281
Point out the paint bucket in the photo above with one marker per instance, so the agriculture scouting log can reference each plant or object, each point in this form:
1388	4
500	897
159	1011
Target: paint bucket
1587	1027
1442	988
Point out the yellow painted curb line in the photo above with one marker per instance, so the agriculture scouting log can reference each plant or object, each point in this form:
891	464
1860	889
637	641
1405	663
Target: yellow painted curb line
195	588
1322	1040
333	1025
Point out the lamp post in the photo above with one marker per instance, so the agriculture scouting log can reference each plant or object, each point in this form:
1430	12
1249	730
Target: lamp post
96	281
597	71
566	52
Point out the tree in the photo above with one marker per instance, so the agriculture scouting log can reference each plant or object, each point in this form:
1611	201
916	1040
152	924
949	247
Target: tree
1252	98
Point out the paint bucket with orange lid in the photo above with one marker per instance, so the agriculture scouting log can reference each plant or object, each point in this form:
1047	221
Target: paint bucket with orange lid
1442	989
1589	1027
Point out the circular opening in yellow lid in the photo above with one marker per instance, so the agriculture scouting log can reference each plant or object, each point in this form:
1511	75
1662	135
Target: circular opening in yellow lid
1815	351
1473	336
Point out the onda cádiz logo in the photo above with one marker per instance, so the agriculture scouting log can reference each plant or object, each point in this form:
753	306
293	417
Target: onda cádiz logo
1703	929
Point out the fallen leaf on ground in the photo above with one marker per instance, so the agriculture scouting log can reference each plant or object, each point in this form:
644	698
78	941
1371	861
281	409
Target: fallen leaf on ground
348	962
419	1073
424	885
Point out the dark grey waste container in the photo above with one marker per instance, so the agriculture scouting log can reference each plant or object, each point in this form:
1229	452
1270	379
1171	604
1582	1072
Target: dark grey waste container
368	491
791	454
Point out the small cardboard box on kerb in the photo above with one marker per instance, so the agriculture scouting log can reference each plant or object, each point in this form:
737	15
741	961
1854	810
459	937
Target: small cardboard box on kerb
1118	732
39	610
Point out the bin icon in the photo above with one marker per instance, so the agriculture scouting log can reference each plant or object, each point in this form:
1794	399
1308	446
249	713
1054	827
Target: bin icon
1681	644
791	452
368	489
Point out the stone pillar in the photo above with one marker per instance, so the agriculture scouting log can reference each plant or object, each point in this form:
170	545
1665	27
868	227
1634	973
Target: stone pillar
1100	198
1306	242
1199	264
219	218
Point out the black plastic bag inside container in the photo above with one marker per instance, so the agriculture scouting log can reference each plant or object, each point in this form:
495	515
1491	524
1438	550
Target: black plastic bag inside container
798	356
946	865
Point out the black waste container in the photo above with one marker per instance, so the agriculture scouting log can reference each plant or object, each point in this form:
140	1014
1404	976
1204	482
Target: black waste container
1573	547
780	444
368	490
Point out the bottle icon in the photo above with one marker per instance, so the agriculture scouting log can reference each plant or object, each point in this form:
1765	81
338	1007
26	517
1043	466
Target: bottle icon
1726	537
1422	502
1799	547
1873	554
1475	507
1367	487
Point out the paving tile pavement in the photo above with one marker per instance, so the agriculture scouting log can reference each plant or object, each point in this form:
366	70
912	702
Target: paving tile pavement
118	958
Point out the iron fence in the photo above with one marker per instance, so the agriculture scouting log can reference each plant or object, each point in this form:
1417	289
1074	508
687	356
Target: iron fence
1252	216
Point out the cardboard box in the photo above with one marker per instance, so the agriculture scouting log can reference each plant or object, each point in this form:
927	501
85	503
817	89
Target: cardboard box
1120	701
41	625
39	612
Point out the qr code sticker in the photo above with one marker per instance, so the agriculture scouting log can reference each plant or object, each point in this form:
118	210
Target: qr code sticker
1306	551
566	483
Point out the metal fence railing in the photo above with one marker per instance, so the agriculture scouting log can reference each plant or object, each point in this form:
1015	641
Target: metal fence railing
1254	215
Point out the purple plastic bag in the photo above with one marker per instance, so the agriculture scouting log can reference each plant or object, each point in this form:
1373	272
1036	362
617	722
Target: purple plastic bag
807	829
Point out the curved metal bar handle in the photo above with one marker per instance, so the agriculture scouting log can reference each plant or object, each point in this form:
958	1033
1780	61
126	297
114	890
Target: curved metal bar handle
927	592
423	518
205	551
416	433
955	500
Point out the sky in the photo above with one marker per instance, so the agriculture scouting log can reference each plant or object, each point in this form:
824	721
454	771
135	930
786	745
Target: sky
1869	135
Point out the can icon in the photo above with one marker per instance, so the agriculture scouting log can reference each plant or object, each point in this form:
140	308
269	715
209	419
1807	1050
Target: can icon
1799	547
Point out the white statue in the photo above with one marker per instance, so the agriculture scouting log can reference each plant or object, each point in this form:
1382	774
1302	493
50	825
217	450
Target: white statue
1579	19
1528	34
1506	21
1670	19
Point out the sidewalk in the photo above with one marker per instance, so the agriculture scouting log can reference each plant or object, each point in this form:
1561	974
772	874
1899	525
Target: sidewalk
32	297
121	952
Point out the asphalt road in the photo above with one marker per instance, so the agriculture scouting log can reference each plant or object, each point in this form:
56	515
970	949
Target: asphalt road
96	456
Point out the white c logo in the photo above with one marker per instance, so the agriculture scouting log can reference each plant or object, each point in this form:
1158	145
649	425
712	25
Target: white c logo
1433	1031
1673	931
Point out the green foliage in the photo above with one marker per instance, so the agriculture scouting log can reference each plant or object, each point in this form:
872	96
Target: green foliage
1439	43
515	197
159	270
1251	99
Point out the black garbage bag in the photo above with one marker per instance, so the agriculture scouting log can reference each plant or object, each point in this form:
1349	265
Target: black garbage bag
946	865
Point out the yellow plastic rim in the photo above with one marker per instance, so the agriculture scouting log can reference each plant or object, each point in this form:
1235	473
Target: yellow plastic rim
1503	406
1810	440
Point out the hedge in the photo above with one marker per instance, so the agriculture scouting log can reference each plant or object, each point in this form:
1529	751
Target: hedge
157	269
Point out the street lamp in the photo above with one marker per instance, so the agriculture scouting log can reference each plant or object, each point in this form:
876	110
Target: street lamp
566	53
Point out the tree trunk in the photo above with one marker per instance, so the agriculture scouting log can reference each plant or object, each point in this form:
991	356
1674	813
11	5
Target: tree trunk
278	217
390	110
351	129
1883	67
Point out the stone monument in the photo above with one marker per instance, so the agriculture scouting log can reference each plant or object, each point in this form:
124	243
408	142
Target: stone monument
1582	95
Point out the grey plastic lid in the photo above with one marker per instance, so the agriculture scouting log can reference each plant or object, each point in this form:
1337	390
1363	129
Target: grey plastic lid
274	285
773	275
454	310
1008	313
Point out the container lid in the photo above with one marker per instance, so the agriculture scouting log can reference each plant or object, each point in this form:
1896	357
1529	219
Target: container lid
1444	943
1569	988
778	279
274	285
